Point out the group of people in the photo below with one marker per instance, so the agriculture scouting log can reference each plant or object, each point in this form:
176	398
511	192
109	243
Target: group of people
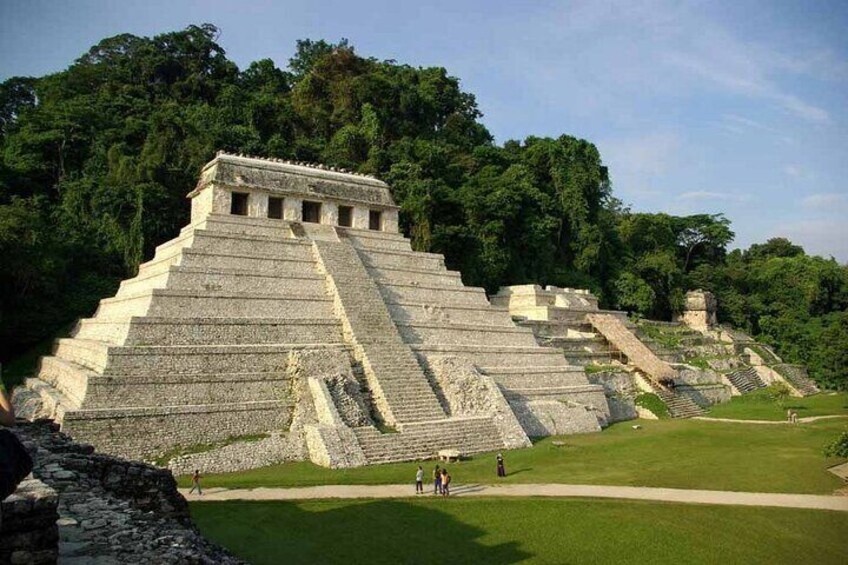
791	416
442	479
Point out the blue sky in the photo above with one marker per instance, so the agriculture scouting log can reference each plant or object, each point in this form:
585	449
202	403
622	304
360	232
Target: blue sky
735	107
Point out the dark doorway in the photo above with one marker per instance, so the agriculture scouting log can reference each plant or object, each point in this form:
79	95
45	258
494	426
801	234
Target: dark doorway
275	208
345	216
312	212
375	220
238	205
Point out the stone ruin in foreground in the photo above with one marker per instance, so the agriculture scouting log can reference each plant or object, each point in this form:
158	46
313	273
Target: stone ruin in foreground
290	320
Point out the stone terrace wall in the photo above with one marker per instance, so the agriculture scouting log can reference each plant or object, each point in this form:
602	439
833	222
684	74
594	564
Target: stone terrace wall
28	531
112	510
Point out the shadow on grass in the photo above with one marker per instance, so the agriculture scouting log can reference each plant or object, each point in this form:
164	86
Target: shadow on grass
383	531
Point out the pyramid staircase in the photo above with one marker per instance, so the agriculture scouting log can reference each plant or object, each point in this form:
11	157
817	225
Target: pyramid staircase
400	388
439	317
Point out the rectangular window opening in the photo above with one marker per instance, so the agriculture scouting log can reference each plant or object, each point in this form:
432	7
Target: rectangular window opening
312	212
275	208
375	220
238	204
345	216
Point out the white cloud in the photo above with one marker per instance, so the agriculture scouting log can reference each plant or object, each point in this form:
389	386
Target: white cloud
741	123
826	200
792	170
710	195
742	68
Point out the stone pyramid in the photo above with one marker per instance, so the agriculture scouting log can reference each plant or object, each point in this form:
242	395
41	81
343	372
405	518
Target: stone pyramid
291	305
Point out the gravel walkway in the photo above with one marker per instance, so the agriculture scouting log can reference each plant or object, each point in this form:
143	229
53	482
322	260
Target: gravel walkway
819	502
771	422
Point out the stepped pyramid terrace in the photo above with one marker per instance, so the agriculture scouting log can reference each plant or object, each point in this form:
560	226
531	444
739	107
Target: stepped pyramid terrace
290	320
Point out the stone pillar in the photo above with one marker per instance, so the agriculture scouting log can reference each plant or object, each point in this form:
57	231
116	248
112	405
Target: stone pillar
390	221
201	205
699	311
360	218
293	209
257	205
221	200
330	213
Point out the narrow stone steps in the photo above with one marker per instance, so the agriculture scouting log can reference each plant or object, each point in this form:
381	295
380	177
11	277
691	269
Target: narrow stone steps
798	378
391	370
679	405
424	440
745	380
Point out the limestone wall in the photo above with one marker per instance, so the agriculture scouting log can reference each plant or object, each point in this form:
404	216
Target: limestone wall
620	390
147	432
109	510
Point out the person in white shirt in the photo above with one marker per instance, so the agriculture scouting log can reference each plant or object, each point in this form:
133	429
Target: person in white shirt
419	480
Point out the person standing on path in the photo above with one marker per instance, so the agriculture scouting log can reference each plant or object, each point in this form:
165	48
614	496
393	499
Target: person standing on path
501	468
446	480
437	480
195	483
419	480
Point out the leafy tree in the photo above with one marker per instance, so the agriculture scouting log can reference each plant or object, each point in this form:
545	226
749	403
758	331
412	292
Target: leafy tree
96	160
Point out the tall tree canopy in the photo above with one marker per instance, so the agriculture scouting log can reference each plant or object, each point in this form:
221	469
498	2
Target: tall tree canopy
96	160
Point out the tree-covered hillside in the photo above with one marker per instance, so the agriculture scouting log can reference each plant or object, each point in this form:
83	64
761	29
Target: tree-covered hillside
95	163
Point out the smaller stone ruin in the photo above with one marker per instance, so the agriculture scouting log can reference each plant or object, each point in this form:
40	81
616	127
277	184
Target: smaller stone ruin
699	312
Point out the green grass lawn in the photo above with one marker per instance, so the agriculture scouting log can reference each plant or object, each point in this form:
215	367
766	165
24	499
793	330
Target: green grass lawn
664	453
494	531
758	406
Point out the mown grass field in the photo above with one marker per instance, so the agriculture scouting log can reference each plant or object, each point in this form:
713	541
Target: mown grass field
532	530
663	453
759	406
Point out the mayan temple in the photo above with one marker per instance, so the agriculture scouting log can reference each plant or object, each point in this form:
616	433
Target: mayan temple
292	306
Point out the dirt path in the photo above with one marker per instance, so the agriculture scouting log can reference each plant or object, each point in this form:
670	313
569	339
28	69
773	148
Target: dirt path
820	502
770	422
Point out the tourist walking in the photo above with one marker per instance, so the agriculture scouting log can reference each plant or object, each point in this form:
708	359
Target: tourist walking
501	468
793	417
446	481
419	480
437	480
195	483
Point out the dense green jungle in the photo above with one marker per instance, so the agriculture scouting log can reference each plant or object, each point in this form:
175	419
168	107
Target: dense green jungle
96	161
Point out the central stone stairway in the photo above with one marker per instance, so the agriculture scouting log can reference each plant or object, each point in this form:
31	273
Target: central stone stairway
400	389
